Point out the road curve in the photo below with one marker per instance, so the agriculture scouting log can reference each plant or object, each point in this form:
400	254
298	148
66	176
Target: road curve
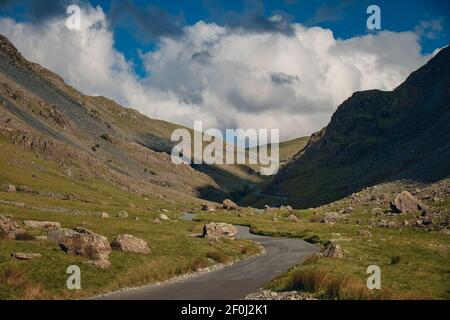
233	282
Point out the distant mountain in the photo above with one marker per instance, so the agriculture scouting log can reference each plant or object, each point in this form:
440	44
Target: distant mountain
376	136
96	137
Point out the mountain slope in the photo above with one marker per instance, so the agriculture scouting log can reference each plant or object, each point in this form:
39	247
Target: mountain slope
100	137
376	136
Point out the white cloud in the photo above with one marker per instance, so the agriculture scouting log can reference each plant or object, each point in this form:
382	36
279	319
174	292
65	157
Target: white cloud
226	77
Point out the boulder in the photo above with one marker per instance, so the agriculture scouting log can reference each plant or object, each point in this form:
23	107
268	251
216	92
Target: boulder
122	214
229	205
377	211
364	233
405	202
25	255
333	250
207	207
293	218
103	215
82	242
162	216
331	217
42	224
156	221
219	230
9	228
130	243
286	208
11	188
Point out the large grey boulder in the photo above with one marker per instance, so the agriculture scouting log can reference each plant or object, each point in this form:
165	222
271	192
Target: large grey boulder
218	230
82	242
130	243
405	202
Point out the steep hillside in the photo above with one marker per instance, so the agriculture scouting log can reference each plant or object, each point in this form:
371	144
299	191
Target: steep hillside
373	137
96	137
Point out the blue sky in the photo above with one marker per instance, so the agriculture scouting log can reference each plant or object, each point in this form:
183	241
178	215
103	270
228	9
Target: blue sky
285	64
346	18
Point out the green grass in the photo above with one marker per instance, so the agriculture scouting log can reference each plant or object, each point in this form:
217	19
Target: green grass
173	252
421	272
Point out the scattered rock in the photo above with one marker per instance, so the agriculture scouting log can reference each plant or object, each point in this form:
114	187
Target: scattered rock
130	243
156	221
41	238
11	188
104	215
263	294
122	214
219	230
162	216
331	217
82	242
293	218
286	208
333	250
266	208
42	224
25	255
405	202
364	233
9	228
377	211
229	205
207	207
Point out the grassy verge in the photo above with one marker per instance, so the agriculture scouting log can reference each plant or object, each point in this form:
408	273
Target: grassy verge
173	251
414	263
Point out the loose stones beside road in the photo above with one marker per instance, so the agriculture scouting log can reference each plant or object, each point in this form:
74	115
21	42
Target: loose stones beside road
162	216
42	224
122	214
9	228
130	243
219	230
83	242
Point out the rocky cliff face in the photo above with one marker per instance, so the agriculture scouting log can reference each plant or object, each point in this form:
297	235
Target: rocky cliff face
377	136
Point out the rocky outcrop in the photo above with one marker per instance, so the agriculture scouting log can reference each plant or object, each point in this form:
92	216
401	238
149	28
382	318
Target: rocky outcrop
333	250
405	202
122	214
83	242
25	255
130	243
104	215
42	224
229	205
217	230
162	216
9	229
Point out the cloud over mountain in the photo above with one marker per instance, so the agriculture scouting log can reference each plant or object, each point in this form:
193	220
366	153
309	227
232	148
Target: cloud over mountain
225	76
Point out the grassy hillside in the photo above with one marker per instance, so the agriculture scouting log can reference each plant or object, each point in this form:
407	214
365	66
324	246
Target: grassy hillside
413	259
77	201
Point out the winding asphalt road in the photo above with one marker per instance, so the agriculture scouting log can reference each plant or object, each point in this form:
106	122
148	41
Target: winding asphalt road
233	282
